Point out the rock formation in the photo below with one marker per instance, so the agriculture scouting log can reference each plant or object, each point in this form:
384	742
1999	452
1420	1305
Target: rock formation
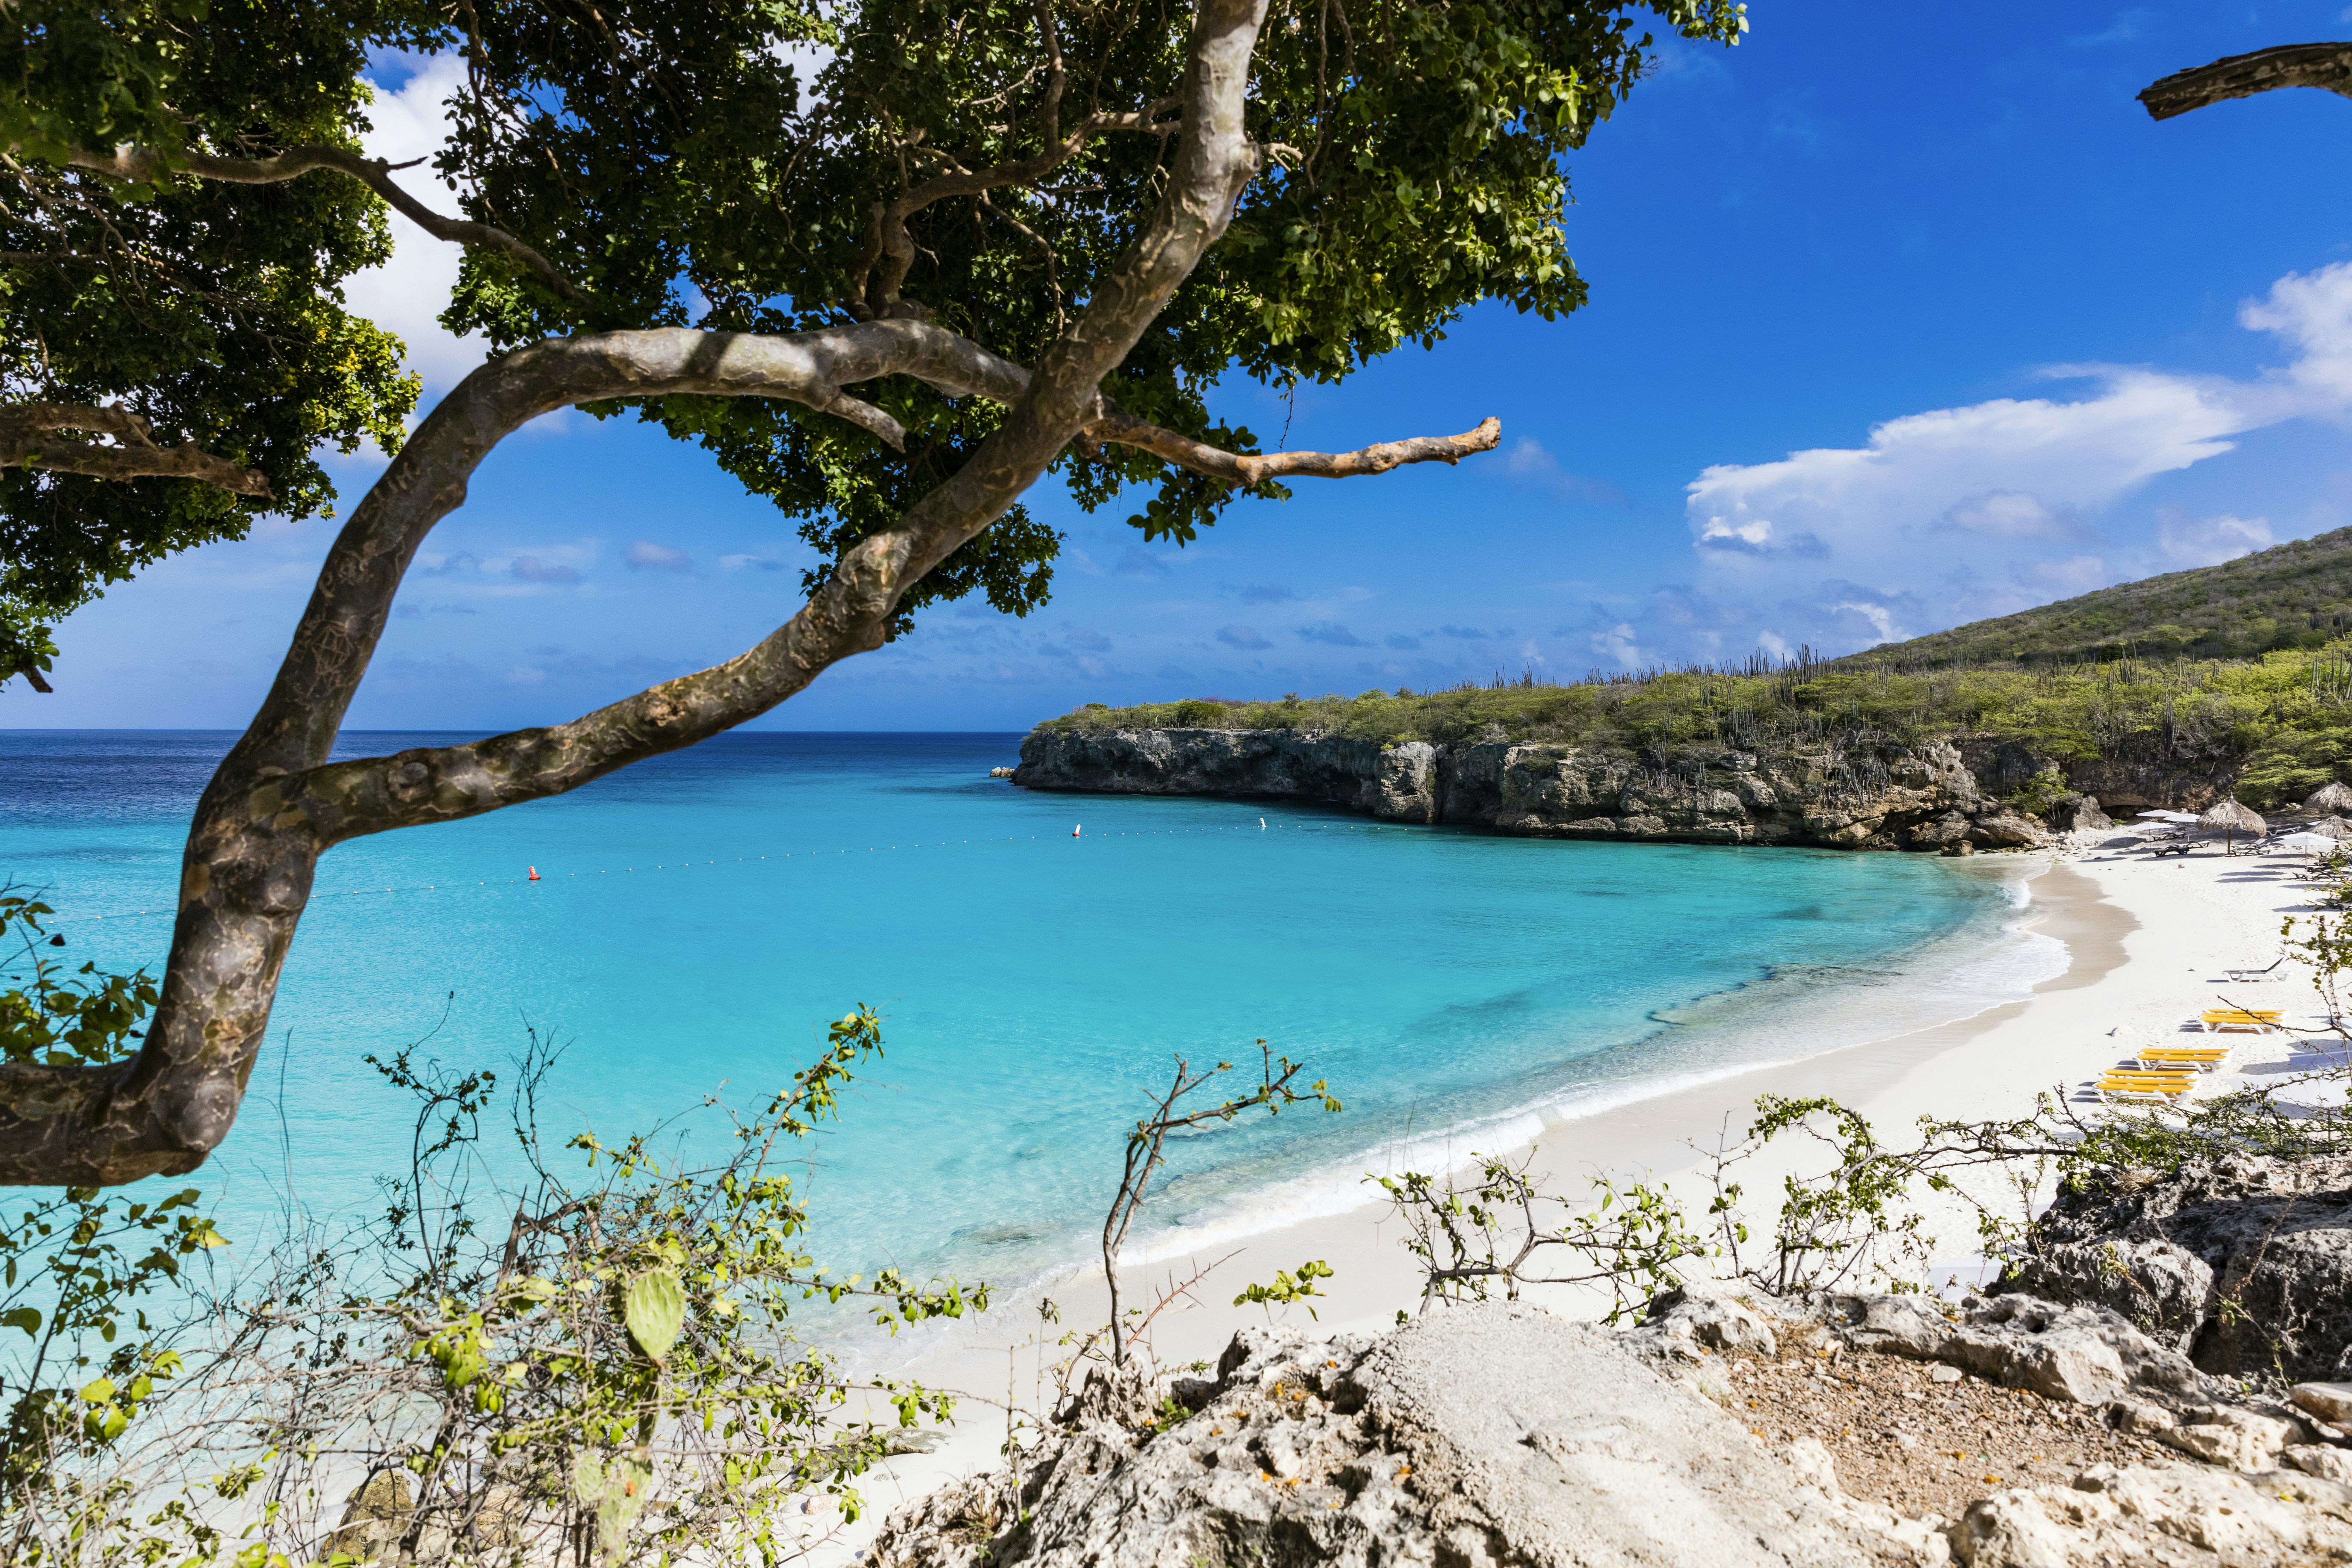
1496	1434
1891	797
2245	1266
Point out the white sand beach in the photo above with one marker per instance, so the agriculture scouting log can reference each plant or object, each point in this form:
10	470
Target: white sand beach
2146	943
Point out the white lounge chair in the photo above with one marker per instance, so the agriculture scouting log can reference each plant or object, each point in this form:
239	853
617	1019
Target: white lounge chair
2271	971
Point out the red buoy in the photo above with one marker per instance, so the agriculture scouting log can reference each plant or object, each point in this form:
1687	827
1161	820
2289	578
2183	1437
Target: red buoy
534	873
1074	832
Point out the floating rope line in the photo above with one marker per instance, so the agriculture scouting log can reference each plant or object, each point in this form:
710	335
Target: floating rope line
688	865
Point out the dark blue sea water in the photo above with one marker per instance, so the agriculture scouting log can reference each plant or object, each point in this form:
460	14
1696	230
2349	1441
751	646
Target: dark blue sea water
700	916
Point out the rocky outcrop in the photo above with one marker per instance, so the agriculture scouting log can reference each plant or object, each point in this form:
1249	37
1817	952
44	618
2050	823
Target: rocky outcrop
1484	1434
1891	797
2090	1355
2244	1265
1496	1434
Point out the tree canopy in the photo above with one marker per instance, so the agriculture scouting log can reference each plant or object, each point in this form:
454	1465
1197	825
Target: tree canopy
1036	236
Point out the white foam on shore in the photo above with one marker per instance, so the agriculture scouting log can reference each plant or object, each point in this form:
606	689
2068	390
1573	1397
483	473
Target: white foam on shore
1787	1018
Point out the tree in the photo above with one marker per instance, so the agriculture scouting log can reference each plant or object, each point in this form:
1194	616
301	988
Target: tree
1033	235
2325	66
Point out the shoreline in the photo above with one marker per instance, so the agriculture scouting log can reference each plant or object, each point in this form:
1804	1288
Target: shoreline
2146	943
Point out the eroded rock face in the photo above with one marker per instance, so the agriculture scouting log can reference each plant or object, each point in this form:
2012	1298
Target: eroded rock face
1497	1435
1892	797
2088	1354
2168	1517
1483	1435
2245	1266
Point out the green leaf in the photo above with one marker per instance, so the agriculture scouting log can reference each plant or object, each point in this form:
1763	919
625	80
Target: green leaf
655	1310
24	1318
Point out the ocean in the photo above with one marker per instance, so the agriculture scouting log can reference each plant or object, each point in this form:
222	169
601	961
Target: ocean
698	919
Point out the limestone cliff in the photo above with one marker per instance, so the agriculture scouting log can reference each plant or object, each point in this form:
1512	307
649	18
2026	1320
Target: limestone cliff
1892	797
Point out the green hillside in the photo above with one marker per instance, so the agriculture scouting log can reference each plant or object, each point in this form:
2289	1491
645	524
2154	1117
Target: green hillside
2245	666
2289	596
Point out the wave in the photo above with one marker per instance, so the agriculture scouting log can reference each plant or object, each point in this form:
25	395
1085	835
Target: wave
1793	1013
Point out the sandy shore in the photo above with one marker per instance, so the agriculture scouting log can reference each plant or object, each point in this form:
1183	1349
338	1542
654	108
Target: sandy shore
2146	942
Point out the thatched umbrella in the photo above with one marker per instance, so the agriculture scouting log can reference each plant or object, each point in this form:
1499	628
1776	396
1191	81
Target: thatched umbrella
2334	827
2334	797
2232	819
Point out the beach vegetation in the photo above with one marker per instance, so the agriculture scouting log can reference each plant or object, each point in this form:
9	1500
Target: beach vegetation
530	1352
1496	1229
1147	1151
1033	238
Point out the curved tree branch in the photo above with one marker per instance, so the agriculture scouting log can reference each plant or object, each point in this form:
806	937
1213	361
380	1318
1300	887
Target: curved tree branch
277	803
29	436
1234	469
2325	65
142	164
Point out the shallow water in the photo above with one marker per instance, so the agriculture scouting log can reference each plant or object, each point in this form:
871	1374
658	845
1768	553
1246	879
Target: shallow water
700	916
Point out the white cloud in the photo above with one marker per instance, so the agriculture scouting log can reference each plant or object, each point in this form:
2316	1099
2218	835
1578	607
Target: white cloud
1958	513
1617	643
408	293
2209	540
645	555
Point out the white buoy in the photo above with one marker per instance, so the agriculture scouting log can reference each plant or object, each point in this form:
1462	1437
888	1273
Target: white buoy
1261	825
1073	831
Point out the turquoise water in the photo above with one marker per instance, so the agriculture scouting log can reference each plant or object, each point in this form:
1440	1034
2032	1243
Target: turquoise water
701	915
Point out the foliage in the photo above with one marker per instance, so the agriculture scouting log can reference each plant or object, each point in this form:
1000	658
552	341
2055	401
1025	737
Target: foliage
611	1369
55	1018
1288	1290
214	310
1146	1145
2042	793
1469	1238
716	164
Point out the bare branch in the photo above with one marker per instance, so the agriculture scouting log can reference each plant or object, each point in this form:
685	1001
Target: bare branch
145	163
29	437
2324	66
1185	452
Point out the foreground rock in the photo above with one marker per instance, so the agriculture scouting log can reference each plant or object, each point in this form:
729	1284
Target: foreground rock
2246	1267
1883	797
1499	1435
1484	1434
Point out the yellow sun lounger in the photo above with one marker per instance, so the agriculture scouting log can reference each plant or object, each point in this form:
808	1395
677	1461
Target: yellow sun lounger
2205	1058
2160	1086
2258	1020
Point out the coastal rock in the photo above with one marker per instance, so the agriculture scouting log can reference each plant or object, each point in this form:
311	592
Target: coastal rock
2087	1355
2245	1264
1883	797
2079	813
1491	1434
2164	1290
2170	1516
2228	1435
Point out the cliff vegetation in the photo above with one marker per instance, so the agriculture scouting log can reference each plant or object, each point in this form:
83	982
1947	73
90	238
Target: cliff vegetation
2247	666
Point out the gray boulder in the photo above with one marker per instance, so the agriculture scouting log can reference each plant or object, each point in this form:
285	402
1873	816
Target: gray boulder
2079	813
1484	1434
2162	1288
2246	1264
2088	1354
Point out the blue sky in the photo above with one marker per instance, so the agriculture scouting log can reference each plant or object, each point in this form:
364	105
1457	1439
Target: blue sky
1901	316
